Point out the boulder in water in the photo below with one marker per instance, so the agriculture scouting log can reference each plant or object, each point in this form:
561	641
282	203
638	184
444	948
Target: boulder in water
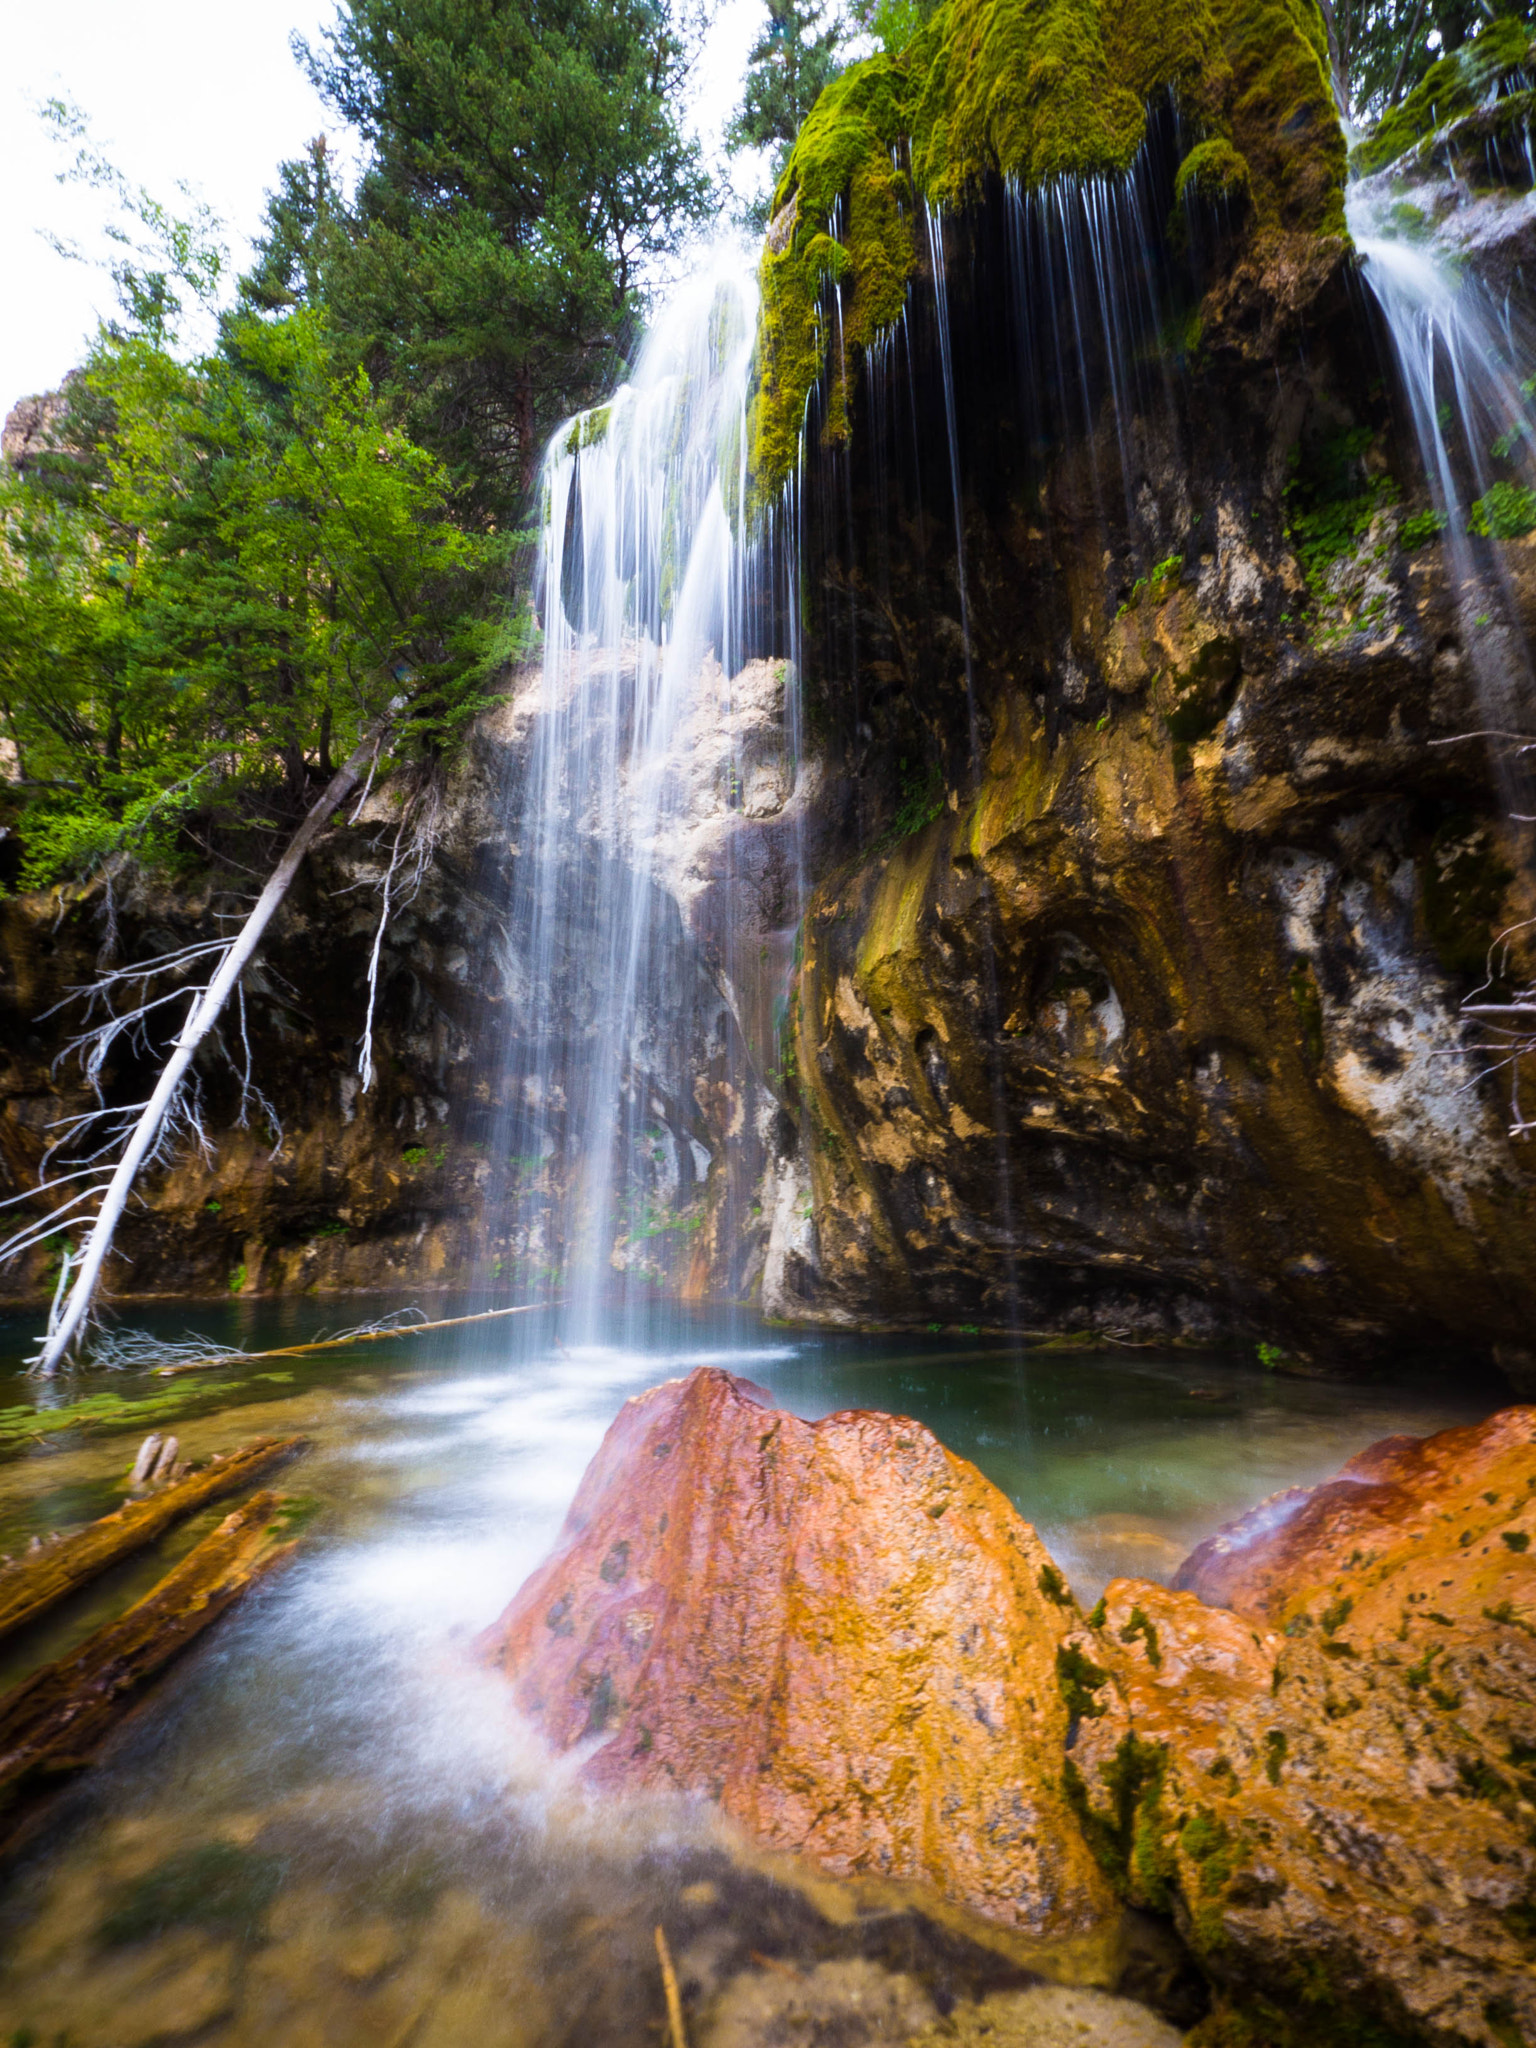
837	1629
1330	1783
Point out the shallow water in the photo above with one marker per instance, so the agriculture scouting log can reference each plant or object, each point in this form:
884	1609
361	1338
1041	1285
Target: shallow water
327	1825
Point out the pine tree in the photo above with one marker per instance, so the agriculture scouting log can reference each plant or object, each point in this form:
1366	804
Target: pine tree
794	58
526	172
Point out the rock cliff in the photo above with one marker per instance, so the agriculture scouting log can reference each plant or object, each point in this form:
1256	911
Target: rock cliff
1133	1003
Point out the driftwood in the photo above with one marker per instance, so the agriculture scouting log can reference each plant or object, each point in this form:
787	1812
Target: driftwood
56	1721
42	1578
170	1372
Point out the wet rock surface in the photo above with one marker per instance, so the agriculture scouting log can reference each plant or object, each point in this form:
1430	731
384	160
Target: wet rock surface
843	1636
837	1630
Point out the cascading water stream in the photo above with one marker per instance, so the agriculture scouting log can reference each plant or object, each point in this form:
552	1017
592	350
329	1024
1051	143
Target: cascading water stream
1458	354
645	589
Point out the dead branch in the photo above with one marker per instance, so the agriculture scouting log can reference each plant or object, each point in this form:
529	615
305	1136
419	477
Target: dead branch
367	1333
168	1109
44	1577
423	814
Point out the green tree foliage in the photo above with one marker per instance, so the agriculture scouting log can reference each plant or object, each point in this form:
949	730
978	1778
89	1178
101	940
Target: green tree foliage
219	575
1382	48
792	60
525	168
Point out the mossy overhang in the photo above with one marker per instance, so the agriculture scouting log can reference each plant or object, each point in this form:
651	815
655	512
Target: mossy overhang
1033	91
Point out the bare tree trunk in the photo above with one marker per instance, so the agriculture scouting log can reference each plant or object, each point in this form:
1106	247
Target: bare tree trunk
64	1330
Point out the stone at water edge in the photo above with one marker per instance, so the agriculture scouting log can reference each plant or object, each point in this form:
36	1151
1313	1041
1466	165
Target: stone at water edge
1379	1534
1341	1816
838	1630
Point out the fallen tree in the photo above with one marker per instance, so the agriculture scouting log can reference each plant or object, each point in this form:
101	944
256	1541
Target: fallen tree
79	1281
40	1580
56	1721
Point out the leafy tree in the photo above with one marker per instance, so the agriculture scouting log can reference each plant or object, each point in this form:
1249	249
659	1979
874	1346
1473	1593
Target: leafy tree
525	169
226	572
221	574
797	54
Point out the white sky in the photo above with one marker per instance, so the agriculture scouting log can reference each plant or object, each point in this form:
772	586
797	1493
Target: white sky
197	90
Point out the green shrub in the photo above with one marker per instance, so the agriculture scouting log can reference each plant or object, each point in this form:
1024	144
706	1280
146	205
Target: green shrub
1503	512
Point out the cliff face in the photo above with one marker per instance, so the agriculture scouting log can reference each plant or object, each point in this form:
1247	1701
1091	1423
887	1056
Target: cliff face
420	1182
1150	861
1133	1007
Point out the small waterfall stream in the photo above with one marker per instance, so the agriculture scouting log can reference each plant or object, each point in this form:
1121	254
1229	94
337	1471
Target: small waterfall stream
1459	350
623	982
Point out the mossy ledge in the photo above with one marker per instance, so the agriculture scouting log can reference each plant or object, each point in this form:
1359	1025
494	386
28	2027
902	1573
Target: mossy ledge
1033	91
1498	64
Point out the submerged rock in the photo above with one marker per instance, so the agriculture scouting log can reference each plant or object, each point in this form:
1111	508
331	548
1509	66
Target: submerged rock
838	1630
849	1639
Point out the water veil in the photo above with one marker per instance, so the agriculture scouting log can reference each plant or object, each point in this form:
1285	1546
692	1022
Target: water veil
626	965
1461	349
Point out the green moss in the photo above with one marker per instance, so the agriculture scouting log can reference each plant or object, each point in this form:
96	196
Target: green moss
1214	170
1054	1586
588	427
1128	1840
1335	1614
1477	1779
1139	1625
1457	85
1034	91
1207	1842
1274	1754
1078	1678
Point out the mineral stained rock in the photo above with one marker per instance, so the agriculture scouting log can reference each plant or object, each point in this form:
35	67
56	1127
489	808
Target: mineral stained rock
1339	1814
838	1630
847	1637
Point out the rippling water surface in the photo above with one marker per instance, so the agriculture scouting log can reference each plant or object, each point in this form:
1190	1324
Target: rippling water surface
327	1826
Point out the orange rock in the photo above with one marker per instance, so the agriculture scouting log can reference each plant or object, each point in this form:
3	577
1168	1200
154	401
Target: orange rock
838	1630
1342	1815
1402	1512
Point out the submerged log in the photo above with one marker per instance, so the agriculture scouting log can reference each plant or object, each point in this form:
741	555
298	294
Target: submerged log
217	1358
48	1575
56	1721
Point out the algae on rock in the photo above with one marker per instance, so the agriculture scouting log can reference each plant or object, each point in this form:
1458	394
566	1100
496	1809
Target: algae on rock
1033	92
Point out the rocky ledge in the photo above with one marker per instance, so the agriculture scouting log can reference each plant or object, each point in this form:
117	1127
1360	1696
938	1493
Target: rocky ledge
850	1640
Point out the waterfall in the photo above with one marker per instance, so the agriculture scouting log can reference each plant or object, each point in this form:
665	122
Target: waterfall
1459	351
652	742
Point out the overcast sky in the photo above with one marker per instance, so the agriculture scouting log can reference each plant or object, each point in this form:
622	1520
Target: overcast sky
178	89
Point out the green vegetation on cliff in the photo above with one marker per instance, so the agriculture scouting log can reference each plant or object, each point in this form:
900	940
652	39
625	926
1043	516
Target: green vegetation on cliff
1493	64
1033	91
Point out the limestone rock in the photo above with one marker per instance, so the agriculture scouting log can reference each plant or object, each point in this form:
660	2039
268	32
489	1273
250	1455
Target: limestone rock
1340	1815
838	1630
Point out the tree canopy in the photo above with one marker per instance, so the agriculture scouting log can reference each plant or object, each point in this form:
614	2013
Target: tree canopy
526	167
250	529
